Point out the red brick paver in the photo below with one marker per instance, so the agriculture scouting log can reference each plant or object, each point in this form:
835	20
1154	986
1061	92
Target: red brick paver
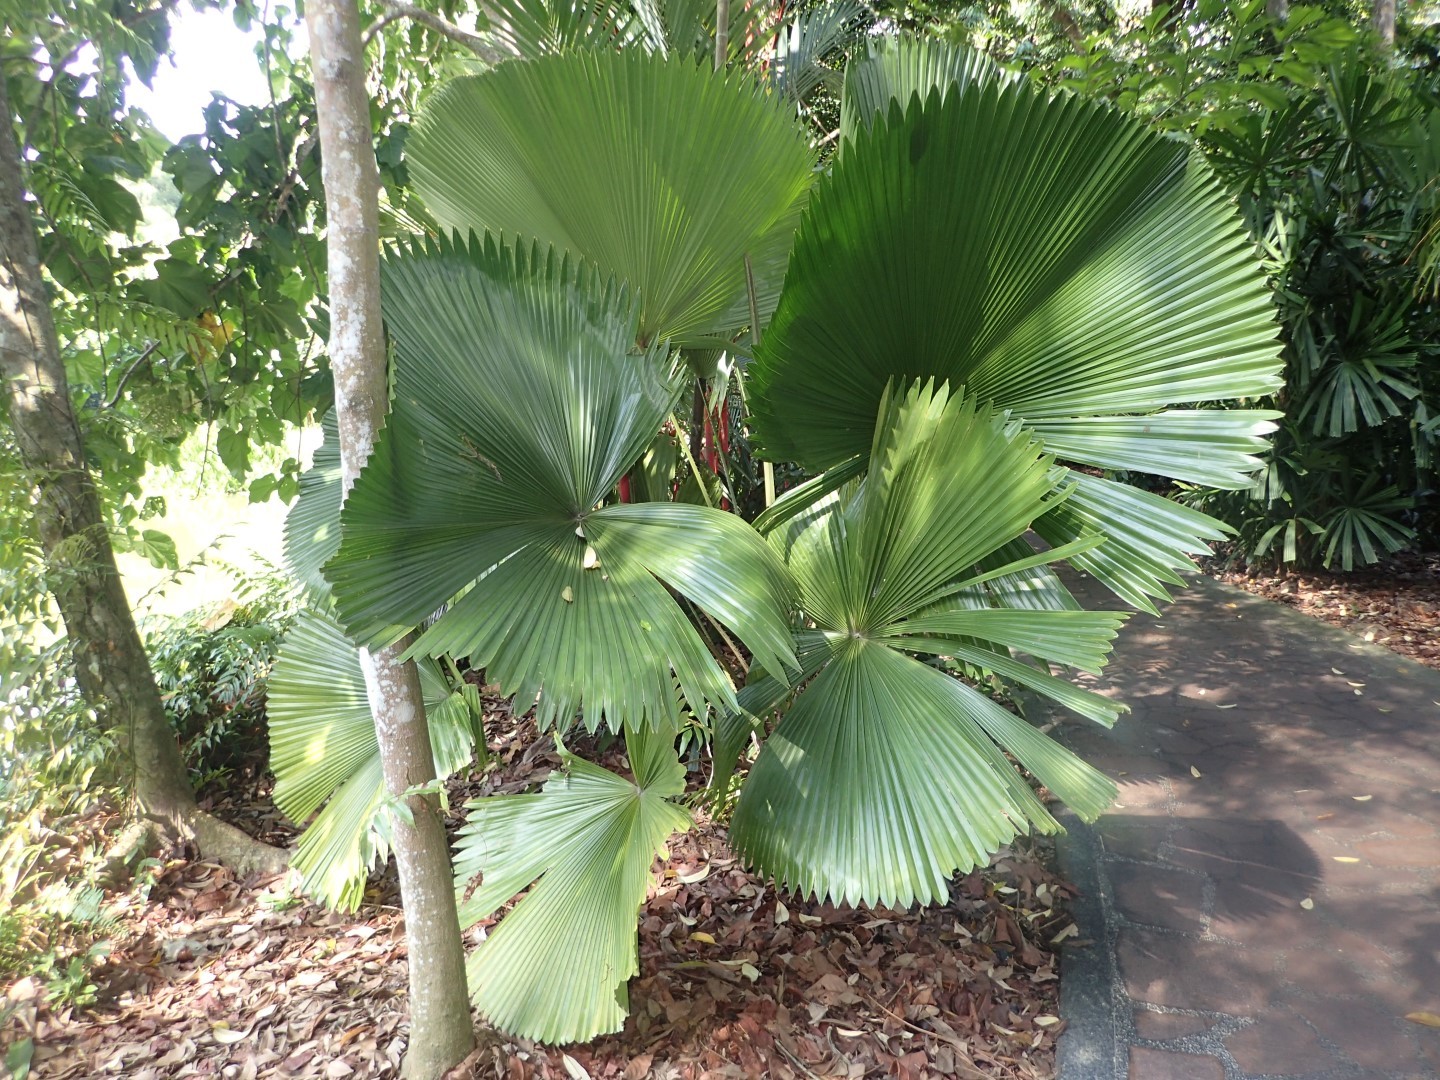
1270	875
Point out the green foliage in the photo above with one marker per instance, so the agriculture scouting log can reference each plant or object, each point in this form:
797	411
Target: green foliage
583	847
520	400
1122	283
528	382
215	329
324	753
500	151
885	776
1329	146
211	667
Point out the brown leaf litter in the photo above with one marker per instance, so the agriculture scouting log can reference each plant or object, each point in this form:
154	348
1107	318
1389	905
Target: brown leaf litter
214	977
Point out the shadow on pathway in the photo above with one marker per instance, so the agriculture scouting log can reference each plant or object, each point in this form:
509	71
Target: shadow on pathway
1264	898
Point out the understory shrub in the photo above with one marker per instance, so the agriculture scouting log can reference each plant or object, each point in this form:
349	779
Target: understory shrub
211	666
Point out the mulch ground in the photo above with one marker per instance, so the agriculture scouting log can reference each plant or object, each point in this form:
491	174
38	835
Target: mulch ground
215	977
1395	604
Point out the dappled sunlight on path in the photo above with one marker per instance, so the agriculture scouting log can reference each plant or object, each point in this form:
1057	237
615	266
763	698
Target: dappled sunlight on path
1264	898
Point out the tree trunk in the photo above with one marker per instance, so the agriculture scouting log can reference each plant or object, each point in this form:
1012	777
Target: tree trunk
1279	10
1383	19
110	661
722	34
441	1034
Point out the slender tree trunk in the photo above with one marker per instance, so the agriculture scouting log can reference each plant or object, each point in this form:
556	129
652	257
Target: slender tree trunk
441	1034
110	661
1064	21
1279	10
722	33
1383	20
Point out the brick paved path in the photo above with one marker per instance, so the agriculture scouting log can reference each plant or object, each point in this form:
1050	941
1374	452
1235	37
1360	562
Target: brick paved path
1277	914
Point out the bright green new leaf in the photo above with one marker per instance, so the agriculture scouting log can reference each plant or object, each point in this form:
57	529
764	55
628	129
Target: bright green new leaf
323	752
887	775
656	170
1052	256
519	403
556	968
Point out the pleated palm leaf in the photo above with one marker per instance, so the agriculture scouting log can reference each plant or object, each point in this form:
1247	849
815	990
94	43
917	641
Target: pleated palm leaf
519	402
323	752
897	69
1052	256
312	527
886	775
556	967
654	169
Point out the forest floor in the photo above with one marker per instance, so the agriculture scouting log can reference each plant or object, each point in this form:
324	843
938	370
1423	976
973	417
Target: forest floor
208	976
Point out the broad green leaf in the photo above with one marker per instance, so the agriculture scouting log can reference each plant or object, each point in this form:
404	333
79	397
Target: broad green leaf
519	403
878	785
312	527
658	171
1050	255
555	969
323	751
1148	538
887	775
897	69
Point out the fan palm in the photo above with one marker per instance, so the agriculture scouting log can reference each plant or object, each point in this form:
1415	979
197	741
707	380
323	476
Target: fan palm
988	279
519	403
584	847
687	175
323	752
885	775
1052	256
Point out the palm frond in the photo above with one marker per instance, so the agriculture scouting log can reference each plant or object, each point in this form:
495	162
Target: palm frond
1050	255
323	752
583	847
519	403
887	775
662	173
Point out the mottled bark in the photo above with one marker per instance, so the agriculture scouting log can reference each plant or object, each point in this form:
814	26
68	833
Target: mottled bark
441	1034
722	34
110	661
1383	19
1279	10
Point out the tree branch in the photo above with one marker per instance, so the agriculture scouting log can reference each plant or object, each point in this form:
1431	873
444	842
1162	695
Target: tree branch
474	42
134	367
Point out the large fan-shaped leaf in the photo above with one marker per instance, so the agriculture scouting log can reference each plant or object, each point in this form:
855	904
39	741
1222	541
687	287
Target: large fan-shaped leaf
897	69
887	775
519	403
556	968
312	527
323	747
656	170
1049	254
